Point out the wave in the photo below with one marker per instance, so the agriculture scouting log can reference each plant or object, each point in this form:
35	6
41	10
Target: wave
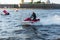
51	20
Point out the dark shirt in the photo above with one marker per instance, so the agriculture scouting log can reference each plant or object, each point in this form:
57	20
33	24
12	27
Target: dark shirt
33	16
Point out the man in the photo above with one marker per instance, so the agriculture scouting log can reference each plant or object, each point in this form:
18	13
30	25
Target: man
33	16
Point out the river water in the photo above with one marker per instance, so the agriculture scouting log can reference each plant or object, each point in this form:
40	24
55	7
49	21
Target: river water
48	28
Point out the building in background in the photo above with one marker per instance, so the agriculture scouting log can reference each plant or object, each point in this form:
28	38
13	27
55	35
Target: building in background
9	6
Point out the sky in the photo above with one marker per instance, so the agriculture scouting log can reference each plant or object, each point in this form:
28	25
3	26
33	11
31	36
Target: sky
18	1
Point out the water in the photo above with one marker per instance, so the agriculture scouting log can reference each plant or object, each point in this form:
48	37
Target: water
48	28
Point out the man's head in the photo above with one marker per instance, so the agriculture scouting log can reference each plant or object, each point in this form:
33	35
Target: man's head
33	12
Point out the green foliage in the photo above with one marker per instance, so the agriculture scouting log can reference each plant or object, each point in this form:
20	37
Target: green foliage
38	2
30	2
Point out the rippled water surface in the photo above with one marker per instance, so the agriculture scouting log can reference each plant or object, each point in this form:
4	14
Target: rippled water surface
48	28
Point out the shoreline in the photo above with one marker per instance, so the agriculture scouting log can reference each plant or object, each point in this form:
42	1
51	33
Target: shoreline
27	8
